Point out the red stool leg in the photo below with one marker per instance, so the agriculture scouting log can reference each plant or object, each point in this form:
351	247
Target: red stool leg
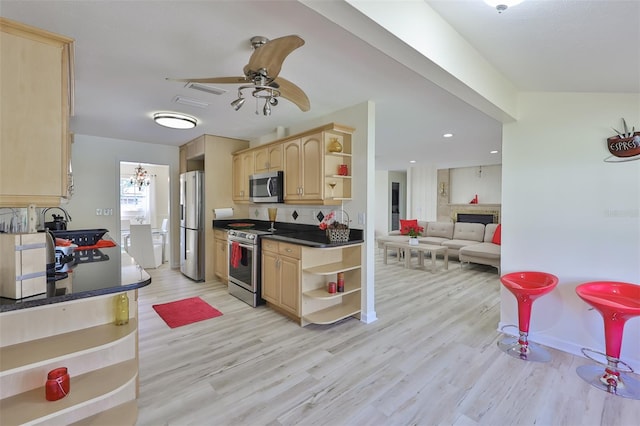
601	295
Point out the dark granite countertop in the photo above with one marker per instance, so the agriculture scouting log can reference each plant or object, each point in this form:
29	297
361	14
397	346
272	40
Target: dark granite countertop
306	235
100	271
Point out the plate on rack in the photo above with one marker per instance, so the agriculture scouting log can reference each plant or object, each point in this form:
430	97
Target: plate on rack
241	225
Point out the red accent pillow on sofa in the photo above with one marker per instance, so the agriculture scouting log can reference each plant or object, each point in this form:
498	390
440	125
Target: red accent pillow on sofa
406	224
497	236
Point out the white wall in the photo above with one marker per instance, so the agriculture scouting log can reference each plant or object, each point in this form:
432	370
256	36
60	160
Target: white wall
382	202
466	182
96	162
422	193
567	212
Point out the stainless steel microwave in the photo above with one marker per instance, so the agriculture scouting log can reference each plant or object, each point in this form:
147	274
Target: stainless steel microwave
267	187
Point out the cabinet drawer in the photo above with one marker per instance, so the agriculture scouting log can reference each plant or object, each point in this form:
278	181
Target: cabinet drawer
291	250
269	245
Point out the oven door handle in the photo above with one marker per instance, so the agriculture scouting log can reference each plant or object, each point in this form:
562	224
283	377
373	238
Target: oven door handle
250	247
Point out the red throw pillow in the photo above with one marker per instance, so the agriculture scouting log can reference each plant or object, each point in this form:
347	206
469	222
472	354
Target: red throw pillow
406	224
497	236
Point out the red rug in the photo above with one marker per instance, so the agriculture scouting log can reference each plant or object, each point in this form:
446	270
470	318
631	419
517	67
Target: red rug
186	311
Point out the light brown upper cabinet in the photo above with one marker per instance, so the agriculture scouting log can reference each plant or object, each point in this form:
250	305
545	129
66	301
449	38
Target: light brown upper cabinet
268	159
311	168
242	169
36	83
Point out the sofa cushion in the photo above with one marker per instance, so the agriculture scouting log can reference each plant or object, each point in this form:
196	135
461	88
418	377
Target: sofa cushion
489	231
468	231
497	236
456	245
443	230
484	250
433	240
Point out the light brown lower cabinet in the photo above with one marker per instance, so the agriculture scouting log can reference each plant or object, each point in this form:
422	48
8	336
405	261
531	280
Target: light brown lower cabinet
295	277
221	260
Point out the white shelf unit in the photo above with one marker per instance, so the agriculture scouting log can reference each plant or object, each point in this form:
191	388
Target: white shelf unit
102	360
320	266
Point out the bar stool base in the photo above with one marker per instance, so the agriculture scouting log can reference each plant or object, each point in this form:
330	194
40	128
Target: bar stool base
629	388
511	347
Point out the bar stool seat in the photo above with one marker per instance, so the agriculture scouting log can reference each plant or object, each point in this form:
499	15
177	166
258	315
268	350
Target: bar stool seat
526	286
617	302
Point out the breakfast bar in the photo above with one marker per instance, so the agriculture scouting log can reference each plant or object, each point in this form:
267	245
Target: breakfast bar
72	325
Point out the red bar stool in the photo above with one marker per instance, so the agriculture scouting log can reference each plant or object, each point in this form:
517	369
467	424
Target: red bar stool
617	302
526	287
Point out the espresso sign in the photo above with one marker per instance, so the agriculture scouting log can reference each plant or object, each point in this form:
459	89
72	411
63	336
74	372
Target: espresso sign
625	146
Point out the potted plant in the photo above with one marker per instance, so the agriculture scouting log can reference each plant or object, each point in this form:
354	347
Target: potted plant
413	231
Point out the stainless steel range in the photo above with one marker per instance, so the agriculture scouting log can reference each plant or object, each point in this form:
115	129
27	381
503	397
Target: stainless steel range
244	265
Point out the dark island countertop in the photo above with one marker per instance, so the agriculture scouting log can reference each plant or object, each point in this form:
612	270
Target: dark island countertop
96	272
305	235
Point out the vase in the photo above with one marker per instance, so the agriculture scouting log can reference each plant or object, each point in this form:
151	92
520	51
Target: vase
413	241
334	145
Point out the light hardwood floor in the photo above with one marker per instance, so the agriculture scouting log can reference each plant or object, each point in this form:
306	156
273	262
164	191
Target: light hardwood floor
430	359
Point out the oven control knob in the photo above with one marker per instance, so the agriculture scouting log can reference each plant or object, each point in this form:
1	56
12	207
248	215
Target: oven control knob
251	237
232	232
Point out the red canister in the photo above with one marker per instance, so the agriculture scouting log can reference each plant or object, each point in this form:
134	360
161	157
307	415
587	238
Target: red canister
331	287
340	282
343	170
58	384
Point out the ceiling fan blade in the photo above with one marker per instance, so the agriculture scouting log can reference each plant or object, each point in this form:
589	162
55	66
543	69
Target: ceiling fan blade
219	80
271	55
290	91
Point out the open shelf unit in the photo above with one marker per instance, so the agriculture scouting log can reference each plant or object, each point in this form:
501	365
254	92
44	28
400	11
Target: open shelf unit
332	160
101	358
320	266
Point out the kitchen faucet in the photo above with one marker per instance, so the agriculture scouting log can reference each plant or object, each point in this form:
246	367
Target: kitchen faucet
67	216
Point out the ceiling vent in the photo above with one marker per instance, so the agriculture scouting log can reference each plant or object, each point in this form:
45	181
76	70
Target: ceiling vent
191	102
205	88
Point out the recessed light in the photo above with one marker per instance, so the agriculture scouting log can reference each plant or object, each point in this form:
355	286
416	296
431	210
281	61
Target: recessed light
447	135
494	152
174	120
412	161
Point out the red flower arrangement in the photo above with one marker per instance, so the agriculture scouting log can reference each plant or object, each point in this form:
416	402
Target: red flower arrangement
327	222
412	231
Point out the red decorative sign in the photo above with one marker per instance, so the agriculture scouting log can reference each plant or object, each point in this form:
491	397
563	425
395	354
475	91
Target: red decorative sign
625	146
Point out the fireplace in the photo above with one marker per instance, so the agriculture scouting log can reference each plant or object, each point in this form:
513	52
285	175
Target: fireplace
476	218
483	213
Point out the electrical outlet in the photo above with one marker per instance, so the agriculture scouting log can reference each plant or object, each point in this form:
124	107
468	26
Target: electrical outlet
98	212
107	212
360	218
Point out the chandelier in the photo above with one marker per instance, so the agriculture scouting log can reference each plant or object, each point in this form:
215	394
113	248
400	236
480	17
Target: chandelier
140	178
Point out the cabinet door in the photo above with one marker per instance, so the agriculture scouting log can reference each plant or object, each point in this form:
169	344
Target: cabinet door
261	160
275	157
221	262
312	152
240	176
270	277
290	284
292	165
35	102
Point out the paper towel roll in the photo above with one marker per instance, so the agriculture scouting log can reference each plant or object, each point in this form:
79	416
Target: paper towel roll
223	213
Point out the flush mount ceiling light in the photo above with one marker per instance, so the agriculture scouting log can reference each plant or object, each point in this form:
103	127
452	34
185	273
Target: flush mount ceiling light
447	135
502	5
174	121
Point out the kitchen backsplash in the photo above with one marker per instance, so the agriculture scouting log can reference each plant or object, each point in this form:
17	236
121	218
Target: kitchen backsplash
13	220
307	215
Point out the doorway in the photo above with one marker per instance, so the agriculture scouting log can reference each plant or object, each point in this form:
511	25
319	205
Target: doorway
144	200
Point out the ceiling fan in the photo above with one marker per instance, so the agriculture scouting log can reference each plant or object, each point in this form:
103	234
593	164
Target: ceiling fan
261	74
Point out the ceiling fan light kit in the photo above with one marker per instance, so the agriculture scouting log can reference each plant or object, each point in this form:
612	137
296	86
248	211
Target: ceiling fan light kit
261	75
174	120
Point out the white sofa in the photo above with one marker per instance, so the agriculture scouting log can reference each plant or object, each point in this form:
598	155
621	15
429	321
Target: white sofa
469	242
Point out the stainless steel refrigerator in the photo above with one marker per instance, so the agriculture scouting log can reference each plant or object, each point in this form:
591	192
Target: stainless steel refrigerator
192	225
